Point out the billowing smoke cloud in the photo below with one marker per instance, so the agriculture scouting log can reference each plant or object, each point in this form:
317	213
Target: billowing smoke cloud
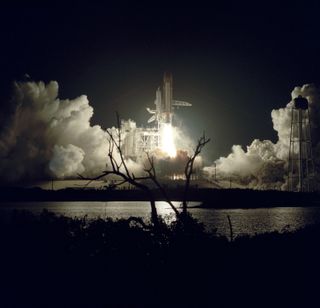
264	164
43	136
67	161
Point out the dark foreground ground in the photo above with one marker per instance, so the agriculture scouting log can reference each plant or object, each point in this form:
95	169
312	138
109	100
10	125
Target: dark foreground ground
50	261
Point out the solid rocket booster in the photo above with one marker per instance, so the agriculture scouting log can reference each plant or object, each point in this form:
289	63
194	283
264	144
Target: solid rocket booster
167	97
165	103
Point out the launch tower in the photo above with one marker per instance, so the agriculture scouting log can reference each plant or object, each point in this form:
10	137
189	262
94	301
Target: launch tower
165	104
301	165
138	140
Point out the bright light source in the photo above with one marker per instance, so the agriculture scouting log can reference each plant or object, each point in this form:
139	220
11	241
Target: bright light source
167	140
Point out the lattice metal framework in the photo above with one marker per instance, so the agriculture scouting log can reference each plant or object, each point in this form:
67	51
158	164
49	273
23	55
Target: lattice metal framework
301	164
148	140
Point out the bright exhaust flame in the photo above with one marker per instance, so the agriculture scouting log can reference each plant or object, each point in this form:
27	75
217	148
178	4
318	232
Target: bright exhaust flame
167	140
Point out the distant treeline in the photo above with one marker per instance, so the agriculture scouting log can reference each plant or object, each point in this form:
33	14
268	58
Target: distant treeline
212	198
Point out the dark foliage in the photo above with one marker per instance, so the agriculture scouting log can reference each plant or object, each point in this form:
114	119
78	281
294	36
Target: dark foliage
55	261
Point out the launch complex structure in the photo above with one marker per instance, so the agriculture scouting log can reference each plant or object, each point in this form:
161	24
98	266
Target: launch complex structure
158	135
301	171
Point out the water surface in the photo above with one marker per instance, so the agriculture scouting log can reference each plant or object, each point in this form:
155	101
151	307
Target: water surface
244	221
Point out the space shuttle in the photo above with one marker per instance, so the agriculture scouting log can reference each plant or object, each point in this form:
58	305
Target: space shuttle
165	104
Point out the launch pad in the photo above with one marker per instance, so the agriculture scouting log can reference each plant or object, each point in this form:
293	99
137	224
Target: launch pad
159	133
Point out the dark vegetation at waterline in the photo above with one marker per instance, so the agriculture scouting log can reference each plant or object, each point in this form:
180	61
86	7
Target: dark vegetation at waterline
215	198
55	261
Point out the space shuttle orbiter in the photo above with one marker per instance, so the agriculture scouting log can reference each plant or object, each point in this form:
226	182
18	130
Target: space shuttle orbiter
164	102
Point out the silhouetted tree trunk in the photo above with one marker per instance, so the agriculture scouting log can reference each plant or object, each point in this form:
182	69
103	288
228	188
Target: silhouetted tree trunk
120	169
189	170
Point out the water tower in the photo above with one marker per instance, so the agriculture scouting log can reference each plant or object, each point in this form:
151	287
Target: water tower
301	165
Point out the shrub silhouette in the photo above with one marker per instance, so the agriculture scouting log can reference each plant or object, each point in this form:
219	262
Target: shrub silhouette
56	261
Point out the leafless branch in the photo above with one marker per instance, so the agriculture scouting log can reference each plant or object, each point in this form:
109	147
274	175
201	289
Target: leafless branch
202	141
120	169
151	171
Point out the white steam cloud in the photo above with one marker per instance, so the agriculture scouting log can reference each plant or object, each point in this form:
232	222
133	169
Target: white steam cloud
42	136
264	164
48	137
67	161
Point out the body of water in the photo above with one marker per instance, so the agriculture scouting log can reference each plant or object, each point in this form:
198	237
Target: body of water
244	221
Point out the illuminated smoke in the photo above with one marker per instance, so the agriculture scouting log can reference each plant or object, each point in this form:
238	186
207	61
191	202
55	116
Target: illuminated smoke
48	137
67	161
44	137
264	164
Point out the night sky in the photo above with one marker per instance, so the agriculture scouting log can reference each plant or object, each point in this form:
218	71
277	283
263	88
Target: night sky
234	61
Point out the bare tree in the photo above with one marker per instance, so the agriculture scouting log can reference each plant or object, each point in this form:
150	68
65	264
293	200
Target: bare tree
189	169
151	171
119	168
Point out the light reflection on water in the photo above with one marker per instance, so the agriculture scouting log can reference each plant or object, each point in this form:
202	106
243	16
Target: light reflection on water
244	221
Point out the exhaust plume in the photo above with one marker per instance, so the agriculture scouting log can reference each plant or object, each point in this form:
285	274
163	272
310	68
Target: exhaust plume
45	137
263	165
